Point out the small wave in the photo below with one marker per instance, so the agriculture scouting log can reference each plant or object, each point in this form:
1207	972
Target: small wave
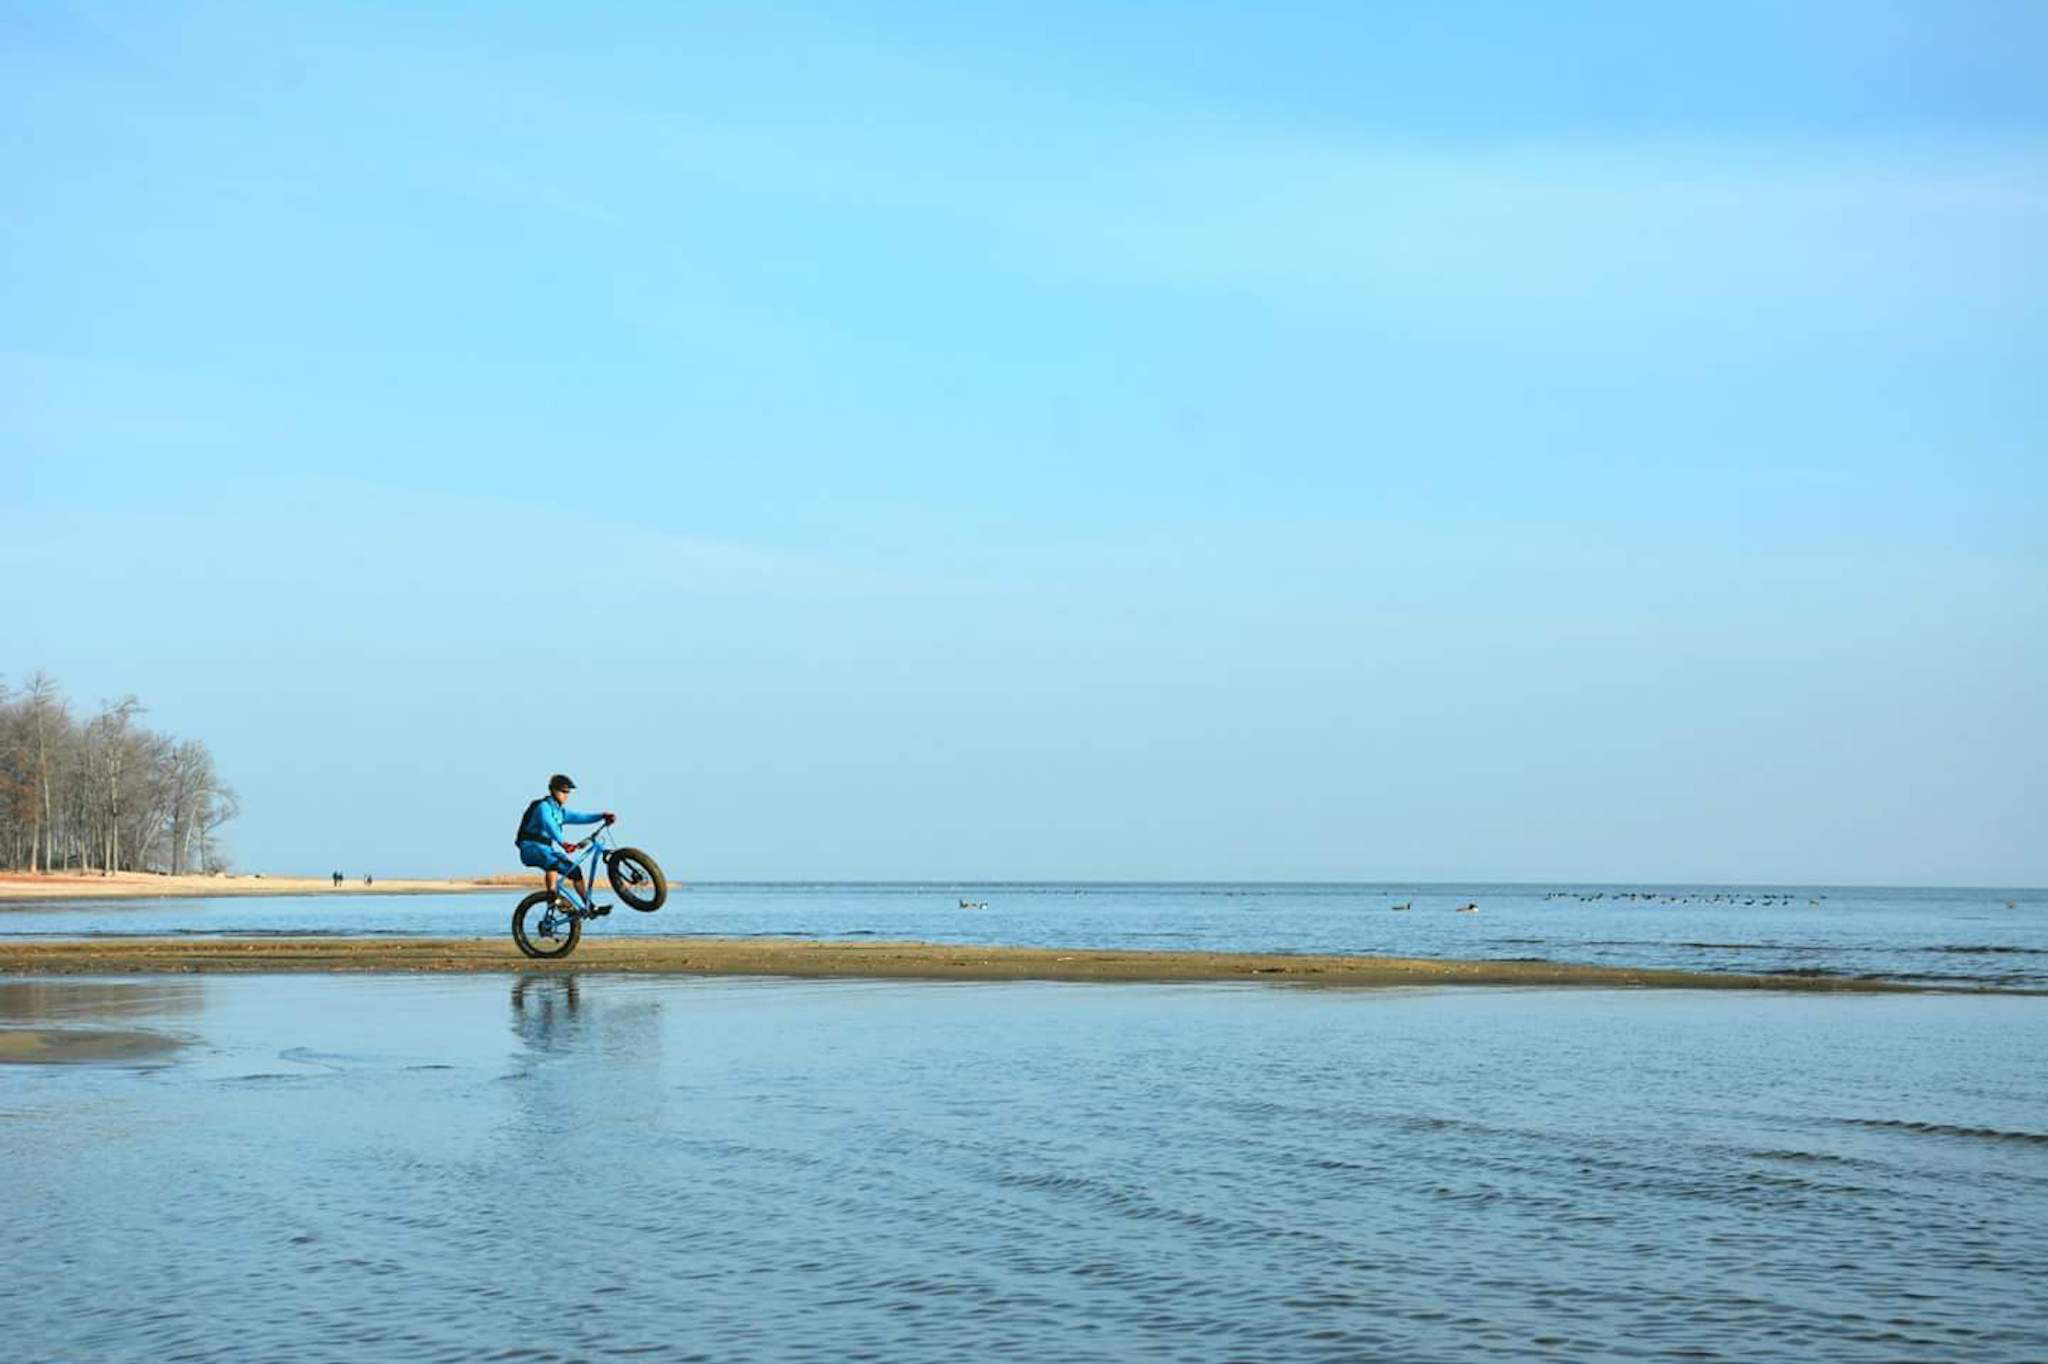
306	932
1710	946
1813	1157
1991	949
1942	1129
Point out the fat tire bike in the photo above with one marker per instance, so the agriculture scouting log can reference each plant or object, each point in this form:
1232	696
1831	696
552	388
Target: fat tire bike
548	924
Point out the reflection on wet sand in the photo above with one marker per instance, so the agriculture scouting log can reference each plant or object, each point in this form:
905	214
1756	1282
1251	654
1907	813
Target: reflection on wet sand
65	1046
63	1001
71	1003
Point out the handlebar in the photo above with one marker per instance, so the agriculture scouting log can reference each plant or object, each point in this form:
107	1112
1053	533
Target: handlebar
577	844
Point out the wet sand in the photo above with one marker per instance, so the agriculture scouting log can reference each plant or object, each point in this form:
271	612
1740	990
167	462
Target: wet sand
873	960
61	1046
34	887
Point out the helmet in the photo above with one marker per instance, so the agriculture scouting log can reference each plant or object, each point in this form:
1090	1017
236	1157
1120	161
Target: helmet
558	782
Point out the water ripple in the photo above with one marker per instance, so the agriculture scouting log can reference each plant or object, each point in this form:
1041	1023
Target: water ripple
742	1170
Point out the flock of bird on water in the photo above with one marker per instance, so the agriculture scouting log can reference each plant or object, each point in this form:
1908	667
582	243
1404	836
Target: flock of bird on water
1719	897
1766	898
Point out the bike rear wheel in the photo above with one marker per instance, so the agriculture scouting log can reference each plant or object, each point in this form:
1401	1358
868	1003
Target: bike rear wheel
636	879
544	928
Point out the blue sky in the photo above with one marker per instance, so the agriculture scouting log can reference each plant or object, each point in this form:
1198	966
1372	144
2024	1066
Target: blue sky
1279	440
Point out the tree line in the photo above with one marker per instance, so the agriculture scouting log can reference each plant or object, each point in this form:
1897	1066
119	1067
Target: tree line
103	792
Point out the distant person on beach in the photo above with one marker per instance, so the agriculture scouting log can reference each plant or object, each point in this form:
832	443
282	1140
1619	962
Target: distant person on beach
337	878
540	837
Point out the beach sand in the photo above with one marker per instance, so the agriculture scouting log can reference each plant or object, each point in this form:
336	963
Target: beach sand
21	886
48	1046
873	960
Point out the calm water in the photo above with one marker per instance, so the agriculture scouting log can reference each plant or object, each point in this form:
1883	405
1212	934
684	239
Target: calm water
1948	937
599	1167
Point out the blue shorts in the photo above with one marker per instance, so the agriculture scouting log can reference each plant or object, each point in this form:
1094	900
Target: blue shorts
546	858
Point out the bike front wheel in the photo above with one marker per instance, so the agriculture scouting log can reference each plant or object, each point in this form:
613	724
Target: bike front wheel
544	928
636	879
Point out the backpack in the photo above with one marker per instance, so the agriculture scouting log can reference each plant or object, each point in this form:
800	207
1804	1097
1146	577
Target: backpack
528	821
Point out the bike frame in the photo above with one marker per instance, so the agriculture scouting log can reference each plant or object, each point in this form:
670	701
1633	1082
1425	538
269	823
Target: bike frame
587	862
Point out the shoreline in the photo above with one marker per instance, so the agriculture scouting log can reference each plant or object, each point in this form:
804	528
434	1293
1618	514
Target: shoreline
32	888
809	959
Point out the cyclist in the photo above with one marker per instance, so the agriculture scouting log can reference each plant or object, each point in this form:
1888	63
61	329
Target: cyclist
541	843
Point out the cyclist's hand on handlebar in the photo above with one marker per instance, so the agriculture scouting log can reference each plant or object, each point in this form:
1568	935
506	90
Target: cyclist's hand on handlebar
610	818
571	847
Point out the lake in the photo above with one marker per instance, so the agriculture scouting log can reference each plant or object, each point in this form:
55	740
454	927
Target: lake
588	1167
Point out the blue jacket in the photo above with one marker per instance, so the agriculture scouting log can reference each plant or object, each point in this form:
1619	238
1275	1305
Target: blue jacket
550	818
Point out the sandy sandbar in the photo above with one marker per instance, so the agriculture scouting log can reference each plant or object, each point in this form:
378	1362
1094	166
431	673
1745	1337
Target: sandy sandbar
31	887
875	960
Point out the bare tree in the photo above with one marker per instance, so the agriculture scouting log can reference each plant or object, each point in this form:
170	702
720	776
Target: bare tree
108	795
217	811
146	797
17	792
193	792
46	718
